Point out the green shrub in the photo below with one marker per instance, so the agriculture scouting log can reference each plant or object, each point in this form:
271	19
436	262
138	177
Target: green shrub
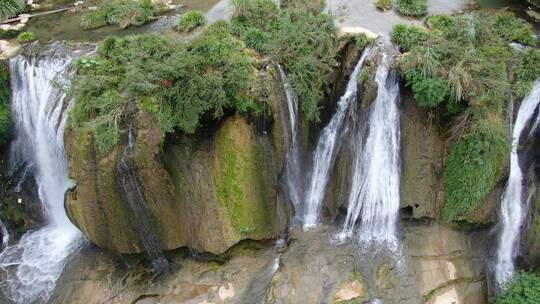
528	71
408	37
524	289
383	5
121	12
256	39
413	8
302	40
473	168
190	21
429	92
26	37
9	8
5	112
313	6
177	82
361	41
512	28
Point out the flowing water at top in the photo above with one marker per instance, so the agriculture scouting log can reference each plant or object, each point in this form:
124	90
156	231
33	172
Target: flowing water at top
512	211
374	196
40	112
326	149
292	165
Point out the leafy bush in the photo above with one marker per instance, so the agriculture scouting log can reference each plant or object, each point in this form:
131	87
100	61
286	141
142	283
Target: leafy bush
313	6
361	41
10	8
473	168
383	5
525	289
514	29
413	8
302	40
190	21
429	92
121	12
408	37
5	112
26	37
177	82
528	71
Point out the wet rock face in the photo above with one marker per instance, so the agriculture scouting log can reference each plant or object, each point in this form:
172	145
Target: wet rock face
436	264
206	194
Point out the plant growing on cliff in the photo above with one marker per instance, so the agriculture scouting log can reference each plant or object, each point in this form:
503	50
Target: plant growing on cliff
5	112
190	21
465	63
26	37
121	12
10	8
303	40
177	82
528	71
524	289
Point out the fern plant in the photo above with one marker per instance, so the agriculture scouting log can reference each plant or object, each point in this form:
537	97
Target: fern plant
10	8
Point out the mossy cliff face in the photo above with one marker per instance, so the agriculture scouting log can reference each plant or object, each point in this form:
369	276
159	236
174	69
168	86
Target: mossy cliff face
207	194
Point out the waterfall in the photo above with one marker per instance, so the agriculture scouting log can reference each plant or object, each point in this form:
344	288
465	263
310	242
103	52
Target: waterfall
326	149
39	110
512	211
293	179
133	195
374	195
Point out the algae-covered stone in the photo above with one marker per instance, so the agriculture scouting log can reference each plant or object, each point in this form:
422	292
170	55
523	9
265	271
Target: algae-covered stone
207	194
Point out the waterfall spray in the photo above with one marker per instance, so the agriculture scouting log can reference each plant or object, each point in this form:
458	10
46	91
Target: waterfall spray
40	110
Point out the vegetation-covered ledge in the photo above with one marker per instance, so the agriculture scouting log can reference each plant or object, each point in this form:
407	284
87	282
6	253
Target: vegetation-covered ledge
465	69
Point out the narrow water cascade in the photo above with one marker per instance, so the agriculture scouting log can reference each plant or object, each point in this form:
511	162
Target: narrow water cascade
133	195
326	149
39	109
293	161
374	196
512	211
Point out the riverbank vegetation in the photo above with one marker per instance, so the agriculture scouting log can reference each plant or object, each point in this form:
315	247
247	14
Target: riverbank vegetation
190	21
120	12
464	67
412	8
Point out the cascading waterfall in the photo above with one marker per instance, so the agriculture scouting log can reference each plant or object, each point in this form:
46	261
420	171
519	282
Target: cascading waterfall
512	201
133	195
374	195
39	109
292	166
326	149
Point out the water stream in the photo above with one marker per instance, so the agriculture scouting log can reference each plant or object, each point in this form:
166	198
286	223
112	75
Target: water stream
40	110
374	196
326	150
512	211
293	177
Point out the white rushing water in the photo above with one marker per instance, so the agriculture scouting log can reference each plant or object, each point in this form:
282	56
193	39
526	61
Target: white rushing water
512	202
326	148
293	179
374	196
39	113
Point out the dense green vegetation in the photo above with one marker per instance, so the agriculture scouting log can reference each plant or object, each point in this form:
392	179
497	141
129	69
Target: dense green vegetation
121	12
177	82
10	8
190	21
464	66
299	36
413	8
26	37
5	112
525	289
